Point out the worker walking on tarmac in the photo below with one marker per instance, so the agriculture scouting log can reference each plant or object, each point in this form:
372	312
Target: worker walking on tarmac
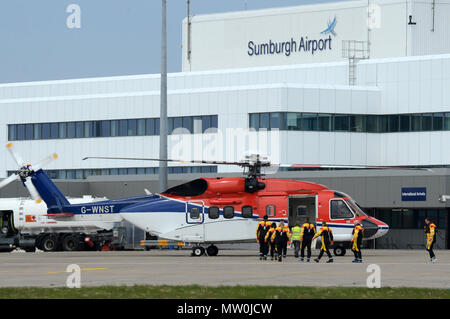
280	237
295	237
327	239
430	232
261	232
286	242
357	241
307	233
268	239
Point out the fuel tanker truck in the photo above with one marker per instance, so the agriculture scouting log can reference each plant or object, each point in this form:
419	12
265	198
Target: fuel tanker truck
24	224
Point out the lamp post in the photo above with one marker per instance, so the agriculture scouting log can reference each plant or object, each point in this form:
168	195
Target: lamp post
163	107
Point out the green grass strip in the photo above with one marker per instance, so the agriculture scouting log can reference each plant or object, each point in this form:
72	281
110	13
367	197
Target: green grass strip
223	292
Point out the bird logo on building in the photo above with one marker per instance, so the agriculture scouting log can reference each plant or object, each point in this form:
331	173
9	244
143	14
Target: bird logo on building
330	28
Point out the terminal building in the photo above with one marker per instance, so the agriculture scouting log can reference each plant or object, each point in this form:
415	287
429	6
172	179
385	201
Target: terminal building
347	83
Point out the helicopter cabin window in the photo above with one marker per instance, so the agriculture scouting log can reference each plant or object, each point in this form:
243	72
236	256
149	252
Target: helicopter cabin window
301	211
339	210
247	211
213	212
195	213
228	212
270	210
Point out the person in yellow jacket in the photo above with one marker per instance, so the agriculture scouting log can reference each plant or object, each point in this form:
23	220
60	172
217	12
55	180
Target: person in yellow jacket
268	239
280	237
307	233
430	232
261	231
295	237
327	238
357	241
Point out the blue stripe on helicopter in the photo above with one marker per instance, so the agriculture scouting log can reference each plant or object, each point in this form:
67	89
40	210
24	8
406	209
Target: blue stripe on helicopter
153	204
347	225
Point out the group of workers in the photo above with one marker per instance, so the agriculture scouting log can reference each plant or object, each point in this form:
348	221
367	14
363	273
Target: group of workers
278	238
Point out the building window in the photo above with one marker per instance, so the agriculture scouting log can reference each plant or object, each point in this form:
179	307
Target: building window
293	121
140	129
123	128
70	129
325	122
37	131
62	130
341	122
358	123
45	131
105	128
79	129
12	132
309	122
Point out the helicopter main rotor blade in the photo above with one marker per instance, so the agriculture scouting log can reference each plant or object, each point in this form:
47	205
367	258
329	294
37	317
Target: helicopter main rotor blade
352	167
17	158
8	180
168	160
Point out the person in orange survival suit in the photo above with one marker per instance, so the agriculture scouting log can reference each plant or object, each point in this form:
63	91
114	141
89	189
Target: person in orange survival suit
287	239
268	239
357	241
307	233
281	238
261	231
430	232
327	238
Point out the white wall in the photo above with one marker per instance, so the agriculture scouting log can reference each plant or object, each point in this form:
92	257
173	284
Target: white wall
221	41
395	85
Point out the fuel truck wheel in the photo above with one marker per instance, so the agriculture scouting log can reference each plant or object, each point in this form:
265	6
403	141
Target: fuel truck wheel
49	243
70	243
198	251
339	251
212	250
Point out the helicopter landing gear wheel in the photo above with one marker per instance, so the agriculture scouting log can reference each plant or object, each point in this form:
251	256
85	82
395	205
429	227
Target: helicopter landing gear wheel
212	250
198	251
339	251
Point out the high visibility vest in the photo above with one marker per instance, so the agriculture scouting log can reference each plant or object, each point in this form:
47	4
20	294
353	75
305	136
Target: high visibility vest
296	233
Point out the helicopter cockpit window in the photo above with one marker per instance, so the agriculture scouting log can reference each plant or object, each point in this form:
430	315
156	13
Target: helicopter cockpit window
271	210
213	212
355	208
194	213
339	210
228	212
247	211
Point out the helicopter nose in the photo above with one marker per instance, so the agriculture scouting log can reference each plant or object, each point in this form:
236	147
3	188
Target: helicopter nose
382	230
372	230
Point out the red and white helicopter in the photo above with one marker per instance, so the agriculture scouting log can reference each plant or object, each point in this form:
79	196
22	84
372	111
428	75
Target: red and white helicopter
209	211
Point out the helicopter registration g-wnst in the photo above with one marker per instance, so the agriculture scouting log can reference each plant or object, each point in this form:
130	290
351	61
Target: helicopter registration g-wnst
209	211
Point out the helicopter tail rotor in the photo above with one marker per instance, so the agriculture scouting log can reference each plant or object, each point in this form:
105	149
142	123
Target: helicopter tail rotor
26	171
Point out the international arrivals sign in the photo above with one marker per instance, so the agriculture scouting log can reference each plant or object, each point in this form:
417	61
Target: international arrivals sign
414	194
303	44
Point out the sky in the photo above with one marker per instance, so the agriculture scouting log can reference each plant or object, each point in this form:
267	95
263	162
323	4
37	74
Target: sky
115	37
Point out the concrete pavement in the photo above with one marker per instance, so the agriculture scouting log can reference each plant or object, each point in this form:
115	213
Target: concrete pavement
398	268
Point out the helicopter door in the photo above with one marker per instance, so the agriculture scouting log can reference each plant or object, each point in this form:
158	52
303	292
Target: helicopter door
300	207
195	212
